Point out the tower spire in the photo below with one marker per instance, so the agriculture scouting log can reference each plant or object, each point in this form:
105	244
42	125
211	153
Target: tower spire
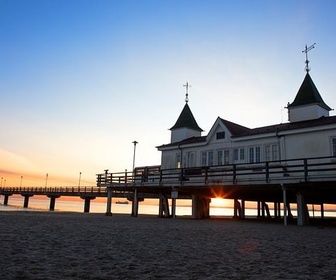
306	50
187	86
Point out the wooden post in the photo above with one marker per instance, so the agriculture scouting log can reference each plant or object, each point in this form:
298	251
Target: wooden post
198	207
259	210
174	196
284	203
243	208
87	201
163	206
174	208
135	204
6	199
302	210
237	209
52	201
26	199
109	202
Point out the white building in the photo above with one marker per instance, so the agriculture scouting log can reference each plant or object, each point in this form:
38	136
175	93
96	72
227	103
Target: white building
310	133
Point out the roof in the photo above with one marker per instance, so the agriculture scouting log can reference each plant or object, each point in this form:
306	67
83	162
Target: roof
186	120
235	129
191	140
241	131
288	126
308	94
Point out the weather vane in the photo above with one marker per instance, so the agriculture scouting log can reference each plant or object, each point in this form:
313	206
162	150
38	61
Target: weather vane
306	50
187	91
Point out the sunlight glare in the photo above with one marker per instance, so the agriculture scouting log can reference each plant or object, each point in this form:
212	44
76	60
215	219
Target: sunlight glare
218	202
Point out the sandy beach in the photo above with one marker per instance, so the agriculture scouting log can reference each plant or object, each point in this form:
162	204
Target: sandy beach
43	245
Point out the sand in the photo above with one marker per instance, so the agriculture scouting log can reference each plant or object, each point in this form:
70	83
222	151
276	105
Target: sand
42	245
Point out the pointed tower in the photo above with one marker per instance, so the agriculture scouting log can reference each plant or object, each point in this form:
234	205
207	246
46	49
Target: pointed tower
308	103
186	125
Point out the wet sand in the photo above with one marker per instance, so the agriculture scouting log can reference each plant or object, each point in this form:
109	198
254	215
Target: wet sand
44	245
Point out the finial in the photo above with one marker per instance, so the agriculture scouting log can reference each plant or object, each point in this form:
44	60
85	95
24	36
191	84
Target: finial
187	91
306	50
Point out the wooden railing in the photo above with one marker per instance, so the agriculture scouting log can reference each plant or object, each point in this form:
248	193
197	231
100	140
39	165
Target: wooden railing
54	190
282	171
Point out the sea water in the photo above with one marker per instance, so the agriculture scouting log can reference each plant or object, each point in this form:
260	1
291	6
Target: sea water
149	207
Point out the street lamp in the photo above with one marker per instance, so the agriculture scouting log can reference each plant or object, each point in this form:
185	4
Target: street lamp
134	142
1	181
79	181
46	181
21	181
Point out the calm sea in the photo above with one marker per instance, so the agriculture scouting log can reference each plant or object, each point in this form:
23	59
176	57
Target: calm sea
149	207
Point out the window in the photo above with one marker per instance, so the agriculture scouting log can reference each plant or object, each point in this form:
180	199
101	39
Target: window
239	155
191	159
207	158
334	147
267	153
220	160
274	152
178	160
223	157
220	135
255	154
271	152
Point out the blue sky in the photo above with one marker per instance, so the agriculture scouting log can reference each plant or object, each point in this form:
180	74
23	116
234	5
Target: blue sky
81	80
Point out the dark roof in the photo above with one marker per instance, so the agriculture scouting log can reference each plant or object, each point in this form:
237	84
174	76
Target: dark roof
241	131
186	120
235	129
191	140
288	126
308	94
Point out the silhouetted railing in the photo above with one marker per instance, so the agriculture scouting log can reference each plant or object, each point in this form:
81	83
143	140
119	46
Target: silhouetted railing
285	171
54	190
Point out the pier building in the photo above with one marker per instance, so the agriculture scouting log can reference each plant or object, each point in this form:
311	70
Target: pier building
286	163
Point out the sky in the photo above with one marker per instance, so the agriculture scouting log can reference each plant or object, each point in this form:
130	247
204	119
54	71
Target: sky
81	80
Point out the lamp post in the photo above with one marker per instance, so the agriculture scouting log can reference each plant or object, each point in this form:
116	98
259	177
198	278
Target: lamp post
135	198
79	181
135	143
46	181
1	181
21	181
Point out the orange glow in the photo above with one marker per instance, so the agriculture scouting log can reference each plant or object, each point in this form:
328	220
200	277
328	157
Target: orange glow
219	202
217	193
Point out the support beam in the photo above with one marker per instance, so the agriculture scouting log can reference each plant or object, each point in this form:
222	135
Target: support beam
259	210
275	210
174	208
302	210
26	199
200	207
52	201
266	210
237	211
135	204
6	196
243	209
174	196
284	194
87	201
163	207
109	202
